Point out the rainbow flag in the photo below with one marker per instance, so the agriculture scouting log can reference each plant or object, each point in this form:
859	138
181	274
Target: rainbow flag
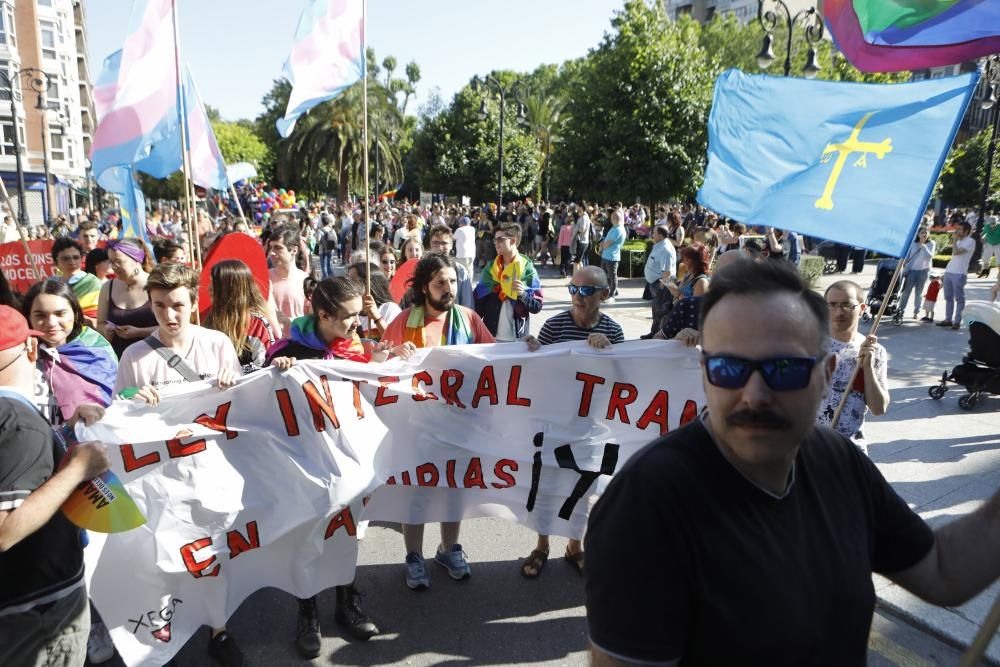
881	36
327	56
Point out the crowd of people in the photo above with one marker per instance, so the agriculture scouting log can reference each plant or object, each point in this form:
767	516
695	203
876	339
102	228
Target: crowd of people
119	322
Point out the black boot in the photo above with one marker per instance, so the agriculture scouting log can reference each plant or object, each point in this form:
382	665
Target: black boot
350	616
307	637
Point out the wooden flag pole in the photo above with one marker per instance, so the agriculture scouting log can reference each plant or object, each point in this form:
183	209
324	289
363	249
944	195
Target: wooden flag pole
364	140
878	320
21	232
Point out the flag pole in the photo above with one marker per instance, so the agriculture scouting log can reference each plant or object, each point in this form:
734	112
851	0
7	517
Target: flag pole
878	320
180	119
232	190
364	133
21	231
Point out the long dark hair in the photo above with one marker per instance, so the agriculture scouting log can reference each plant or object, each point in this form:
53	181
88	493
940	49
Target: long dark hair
423	274
7	297
54	287
380	284
331	293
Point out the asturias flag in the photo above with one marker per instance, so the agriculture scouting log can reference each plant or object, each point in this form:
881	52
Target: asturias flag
327	56
851	162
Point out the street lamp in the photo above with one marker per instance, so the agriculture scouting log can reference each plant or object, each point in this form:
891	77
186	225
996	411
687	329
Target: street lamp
991	78
517	89
810	21
38	81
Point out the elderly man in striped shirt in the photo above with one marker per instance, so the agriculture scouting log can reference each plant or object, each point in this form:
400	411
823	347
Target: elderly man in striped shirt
583	321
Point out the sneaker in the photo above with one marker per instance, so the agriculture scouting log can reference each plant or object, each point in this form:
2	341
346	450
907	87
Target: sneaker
454	561
307	637
416	572
956	326
99	645
926	319
222	647
944	323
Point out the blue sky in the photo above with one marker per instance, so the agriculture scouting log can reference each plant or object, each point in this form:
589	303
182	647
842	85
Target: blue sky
236	48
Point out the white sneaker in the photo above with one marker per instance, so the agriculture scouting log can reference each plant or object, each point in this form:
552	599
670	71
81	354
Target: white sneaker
99	645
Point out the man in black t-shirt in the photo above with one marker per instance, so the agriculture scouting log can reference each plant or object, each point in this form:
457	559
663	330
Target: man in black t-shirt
44	615
760	530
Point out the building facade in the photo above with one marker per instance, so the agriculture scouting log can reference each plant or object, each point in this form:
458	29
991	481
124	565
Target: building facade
43	55
744	10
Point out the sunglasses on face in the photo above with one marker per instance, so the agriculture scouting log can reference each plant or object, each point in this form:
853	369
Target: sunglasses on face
779	373
582	290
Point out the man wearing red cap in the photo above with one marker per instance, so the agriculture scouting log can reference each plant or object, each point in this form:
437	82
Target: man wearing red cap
44	615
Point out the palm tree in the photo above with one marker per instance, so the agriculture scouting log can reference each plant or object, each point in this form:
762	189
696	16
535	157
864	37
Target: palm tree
329	140
545	116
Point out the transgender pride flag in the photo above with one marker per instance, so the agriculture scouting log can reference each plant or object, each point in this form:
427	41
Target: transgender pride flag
208	169
327	56
136	95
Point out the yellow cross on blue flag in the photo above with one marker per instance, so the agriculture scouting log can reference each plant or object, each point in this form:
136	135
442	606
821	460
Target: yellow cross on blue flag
850	162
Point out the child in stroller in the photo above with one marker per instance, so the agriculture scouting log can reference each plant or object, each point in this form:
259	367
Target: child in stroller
979	372
879	291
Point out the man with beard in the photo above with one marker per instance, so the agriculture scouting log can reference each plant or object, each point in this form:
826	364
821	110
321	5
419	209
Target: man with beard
870	390
760	529
435	319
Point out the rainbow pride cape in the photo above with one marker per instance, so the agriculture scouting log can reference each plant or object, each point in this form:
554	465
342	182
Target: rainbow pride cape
882	36
82	371
87	288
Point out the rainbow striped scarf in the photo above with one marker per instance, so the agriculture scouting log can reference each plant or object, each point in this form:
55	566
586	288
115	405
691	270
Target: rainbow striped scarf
456	330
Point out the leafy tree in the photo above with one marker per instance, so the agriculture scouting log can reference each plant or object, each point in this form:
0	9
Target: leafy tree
545	117
640	107
240	143
455	151
961	181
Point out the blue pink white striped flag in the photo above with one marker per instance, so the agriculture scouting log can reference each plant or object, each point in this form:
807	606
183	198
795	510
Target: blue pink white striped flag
326	58
208	169
139	102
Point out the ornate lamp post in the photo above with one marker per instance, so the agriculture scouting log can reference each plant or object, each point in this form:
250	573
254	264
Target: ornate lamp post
769	15
38	82
516	89
991	78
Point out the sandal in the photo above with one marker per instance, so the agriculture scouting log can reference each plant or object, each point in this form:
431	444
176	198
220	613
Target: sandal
536	560
575	560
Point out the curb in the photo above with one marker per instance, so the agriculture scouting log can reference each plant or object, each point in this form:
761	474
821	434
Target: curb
950	638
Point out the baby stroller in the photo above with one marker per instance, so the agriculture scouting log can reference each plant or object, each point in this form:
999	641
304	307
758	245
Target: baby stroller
979	371
879	291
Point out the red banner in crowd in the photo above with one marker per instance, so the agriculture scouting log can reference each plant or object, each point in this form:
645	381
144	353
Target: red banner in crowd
18	268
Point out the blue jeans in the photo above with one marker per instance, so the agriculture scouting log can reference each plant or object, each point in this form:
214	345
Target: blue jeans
954	296
326	263
914	282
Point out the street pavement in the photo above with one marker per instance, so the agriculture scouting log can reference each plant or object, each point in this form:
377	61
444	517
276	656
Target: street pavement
943	460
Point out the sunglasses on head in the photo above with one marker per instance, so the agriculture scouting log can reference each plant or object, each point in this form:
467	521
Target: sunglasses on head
583	290
779	373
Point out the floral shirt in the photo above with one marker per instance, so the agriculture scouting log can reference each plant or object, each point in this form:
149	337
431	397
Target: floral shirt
853	417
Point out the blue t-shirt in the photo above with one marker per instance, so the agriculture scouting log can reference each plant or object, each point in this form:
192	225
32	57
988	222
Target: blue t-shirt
661	258
616	235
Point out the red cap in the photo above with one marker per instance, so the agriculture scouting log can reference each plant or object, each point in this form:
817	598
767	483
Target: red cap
14	328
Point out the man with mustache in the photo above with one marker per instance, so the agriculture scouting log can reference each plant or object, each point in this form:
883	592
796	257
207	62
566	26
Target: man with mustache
435	319
759	529
845	300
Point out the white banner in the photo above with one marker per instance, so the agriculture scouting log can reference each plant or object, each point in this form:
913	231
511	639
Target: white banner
264	484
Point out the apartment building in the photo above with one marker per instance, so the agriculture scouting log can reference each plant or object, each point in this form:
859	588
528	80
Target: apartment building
744	10
43	57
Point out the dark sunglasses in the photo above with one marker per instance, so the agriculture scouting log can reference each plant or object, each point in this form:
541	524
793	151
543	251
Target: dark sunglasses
584	290
779	373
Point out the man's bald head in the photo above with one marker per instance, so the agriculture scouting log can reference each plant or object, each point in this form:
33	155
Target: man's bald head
590	275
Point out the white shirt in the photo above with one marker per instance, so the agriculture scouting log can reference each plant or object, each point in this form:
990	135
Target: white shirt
465	242
960	263
209	352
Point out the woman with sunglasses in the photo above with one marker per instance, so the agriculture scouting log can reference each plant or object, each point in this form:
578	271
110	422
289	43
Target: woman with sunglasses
387	261
124	314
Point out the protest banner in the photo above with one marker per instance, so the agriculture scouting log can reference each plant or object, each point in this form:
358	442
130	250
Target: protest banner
17	267
264	484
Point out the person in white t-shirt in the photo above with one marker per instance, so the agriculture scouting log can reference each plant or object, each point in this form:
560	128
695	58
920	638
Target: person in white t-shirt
144	369
465	244
956	273
287	280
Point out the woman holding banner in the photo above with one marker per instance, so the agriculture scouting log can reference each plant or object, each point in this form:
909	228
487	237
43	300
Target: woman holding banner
124	314
239	311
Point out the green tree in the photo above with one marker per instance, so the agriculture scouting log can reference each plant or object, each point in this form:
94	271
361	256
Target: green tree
545	116
455	151
640	107
240	143
961	181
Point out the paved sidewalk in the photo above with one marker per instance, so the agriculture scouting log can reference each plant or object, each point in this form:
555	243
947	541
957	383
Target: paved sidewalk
944	461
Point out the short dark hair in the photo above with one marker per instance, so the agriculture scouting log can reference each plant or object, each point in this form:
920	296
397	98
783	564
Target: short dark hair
512	229
847	286
94	257
62	243
87	226
966	225
753	278
54	287
440	230
379	283
424	272
287	234
662	231
331	293
165	248
169	277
